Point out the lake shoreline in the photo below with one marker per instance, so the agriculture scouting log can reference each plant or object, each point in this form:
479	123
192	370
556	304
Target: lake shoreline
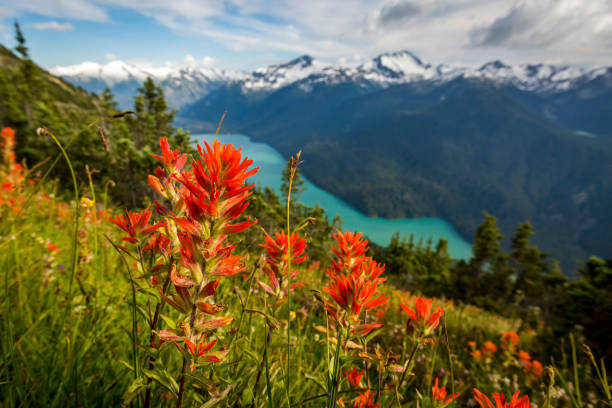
379	230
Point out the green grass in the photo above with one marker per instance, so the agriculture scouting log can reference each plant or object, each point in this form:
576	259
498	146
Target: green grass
79	336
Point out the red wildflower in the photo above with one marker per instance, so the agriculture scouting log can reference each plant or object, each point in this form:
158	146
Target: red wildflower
421	316
354	377
488	348
278	259
439	394
509	340
158	244
349	252
52	247
500	400
202	348
365	400
136	224
524	357
535	369
353	282
172	160
8	135
354	293
277	250
216	184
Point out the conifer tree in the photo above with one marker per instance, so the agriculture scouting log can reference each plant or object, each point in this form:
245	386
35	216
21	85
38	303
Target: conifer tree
20	47
528	262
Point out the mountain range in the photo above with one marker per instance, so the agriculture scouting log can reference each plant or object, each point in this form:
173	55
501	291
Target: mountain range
398	137
186	84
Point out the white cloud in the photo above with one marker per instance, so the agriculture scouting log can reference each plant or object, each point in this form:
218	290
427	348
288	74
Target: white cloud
54	26
469	31
86	10
207	61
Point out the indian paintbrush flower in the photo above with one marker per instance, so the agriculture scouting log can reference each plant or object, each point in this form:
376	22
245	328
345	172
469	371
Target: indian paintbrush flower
354	280
365	400
500	400
279	259
421	316
354	377
439	395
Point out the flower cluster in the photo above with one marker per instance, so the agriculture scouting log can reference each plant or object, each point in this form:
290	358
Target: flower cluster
440	396
513	357
11	172
500	400
354	279
421	317
282	252
199	211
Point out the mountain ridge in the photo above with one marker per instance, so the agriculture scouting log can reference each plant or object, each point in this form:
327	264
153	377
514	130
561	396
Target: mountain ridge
184	84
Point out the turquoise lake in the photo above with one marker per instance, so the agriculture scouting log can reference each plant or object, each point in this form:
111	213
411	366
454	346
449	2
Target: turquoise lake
379	230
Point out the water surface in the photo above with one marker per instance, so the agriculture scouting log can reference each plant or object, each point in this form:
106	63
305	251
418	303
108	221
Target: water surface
378	230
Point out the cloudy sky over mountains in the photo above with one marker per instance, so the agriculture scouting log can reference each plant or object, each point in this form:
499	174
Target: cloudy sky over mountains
247	34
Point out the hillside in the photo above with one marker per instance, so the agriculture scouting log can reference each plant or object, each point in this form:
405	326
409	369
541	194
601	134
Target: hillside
111	147
448	149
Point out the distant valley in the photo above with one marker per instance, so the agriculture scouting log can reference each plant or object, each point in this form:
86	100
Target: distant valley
398	137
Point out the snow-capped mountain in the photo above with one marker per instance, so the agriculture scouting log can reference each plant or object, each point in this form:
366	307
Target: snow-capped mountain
184	85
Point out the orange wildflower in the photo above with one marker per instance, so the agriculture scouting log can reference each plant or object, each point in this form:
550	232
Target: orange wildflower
488	348
354	377
52	247
365	400
535	369
278	259
421	316
500	400
524	357
354	281
172	160
136	224
438	394
349	252
354	293
509	340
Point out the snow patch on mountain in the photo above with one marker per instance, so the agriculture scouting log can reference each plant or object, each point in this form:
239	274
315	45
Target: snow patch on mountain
186	84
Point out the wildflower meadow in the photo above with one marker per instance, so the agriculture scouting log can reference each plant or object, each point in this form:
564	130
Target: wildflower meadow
192	301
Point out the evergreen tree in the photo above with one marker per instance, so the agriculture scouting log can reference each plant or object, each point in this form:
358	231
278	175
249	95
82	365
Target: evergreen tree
20	47
153	118
528	263
487	239
484	279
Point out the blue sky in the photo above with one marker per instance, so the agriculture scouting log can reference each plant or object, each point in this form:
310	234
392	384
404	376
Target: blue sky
246	34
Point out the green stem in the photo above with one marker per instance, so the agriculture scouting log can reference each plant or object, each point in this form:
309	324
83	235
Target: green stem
291	175
268	383
336	375
575	366
179	402
450	358
46	132
158	309
403	376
